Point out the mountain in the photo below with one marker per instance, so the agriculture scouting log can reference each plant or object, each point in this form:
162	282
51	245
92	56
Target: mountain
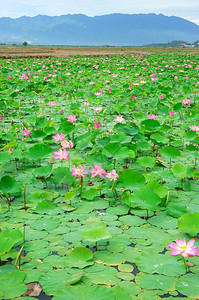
114	29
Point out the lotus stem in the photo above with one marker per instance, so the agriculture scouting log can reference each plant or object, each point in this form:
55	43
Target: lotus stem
185	264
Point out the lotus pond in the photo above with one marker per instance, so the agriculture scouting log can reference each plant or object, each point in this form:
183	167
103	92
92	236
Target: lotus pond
99	173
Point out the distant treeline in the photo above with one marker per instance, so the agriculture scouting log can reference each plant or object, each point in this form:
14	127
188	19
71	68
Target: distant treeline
173	44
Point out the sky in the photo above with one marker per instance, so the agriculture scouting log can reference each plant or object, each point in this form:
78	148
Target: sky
187	9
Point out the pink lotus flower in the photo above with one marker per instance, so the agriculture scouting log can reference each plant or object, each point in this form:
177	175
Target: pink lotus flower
154	117
79	171
52	103
26	133
1	118
61	154
119	119
72	119
194	128
97	171
91	83
182	248
186	102
98	108
62	111
161	97
112	175
86	104
67	144
59	137
171	113
97	125
10	151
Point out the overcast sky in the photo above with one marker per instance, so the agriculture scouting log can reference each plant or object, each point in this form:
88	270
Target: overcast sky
188	9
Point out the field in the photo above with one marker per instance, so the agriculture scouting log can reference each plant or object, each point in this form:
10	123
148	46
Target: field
99	173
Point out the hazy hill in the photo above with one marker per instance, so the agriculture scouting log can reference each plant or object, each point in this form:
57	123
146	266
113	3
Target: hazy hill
113	29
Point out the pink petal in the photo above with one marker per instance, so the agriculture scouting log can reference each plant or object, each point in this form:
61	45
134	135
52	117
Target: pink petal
175	253
191	243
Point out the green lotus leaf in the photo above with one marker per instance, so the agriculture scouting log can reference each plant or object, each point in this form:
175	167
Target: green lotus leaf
110	150
84	293
6	243
132	179
54	281
189	223
145	198
46	223
151	124
159	137
46	206
179	170
4	157
188	285
149	262
15	234
156	281
74	279
170	152
12	284
62	175
43	171
146	162
80	257
131	130
96	234
8	185
107	258
176	209
158	188
39	151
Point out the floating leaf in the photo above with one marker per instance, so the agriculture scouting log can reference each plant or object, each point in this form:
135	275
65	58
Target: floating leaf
96	234
189	223
188	285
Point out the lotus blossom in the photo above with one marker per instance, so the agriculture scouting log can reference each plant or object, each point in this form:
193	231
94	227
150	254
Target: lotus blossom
182	248
1	118
98	108
79	171
97	171
97	125
61	154
86	103
112	175
119	119
194	128
61	111
52	103
67	144
59	137
186	102
26	133
72	119
171	114
154	117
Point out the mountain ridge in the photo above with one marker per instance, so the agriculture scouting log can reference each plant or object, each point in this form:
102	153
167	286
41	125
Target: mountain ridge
111	29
